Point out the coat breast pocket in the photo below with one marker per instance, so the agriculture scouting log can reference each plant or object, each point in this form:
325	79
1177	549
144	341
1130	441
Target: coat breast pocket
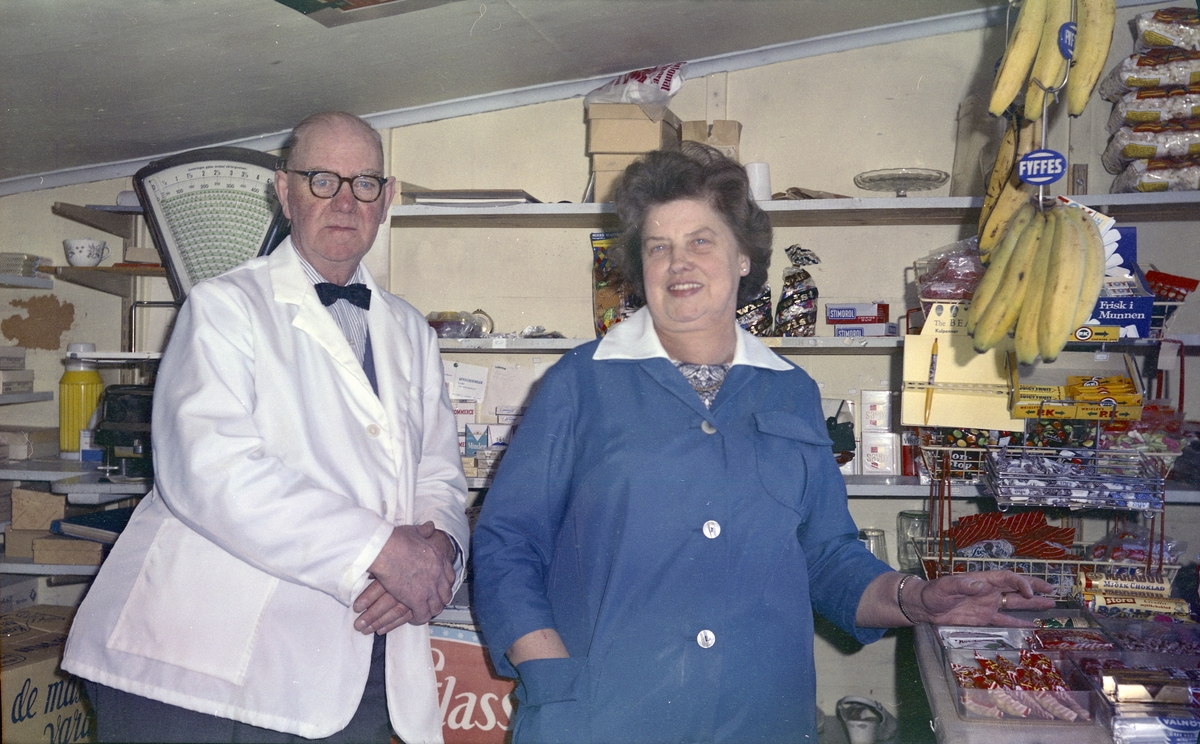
788	452
193	606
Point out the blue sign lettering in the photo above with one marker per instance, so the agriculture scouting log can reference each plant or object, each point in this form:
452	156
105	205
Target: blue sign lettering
1041	167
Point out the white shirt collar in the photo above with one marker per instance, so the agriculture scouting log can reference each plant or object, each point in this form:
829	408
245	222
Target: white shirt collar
635	338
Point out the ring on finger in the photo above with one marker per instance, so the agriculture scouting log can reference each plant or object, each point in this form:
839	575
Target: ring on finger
1003	600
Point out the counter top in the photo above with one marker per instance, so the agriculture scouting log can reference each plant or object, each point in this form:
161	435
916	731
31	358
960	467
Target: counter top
951	729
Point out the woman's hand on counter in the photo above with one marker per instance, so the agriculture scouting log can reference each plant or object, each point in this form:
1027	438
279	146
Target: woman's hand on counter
978	598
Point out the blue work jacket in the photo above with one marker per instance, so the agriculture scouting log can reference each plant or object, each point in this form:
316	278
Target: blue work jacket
678	551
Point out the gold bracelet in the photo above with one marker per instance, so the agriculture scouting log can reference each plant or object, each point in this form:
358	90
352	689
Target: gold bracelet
900	597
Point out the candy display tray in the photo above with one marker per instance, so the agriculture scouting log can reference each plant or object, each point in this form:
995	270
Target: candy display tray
1000	704
1060	573
1074	478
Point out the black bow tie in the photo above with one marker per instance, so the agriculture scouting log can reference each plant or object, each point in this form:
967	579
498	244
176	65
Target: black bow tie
355	294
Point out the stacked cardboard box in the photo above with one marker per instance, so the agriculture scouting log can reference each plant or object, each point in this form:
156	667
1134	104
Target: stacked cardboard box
29	534
724	135
41	702
618	133
14	378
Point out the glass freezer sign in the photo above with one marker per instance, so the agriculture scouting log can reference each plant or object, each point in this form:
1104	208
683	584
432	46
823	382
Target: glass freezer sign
1041	167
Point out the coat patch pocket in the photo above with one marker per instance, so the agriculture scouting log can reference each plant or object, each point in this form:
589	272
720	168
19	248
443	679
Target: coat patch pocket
193	606
783	447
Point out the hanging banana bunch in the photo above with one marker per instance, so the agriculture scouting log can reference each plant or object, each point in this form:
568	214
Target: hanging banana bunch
1042	283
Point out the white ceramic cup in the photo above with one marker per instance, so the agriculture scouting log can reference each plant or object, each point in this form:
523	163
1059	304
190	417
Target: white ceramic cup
760	180
85	251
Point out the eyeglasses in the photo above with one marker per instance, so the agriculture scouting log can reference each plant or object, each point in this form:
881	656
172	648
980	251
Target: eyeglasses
325	185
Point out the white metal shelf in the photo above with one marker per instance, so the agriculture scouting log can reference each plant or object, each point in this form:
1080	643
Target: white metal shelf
26	282
12	398
1180	206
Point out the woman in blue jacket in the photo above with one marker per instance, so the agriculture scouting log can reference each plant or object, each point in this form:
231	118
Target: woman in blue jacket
670	514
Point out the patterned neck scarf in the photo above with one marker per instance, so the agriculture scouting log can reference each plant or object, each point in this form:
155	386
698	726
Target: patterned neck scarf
705	379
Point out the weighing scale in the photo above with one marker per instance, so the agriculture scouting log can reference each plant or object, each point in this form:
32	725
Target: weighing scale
210	210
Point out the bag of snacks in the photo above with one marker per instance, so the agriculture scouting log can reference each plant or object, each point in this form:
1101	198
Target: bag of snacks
1153	105
796	313
1161	174
1168	27
1172	139
1157	68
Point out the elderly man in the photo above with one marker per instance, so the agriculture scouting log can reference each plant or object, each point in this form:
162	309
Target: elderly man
309	494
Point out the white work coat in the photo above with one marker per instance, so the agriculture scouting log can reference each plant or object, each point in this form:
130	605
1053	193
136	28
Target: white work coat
279	475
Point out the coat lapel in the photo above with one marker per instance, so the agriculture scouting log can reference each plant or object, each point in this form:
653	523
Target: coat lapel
291	286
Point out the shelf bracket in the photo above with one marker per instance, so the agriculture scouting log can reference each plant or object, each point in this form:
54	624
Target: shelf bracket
122	225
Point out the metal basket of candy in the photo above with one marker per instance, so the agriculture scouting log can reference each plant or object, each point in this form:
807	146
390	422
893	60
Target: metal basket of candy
1028	543
960	453
1169	293
1074	478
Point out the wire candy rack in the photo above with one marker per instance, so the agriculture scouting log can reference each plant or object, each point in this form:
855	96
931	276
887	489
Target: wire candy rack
1074	478
938	559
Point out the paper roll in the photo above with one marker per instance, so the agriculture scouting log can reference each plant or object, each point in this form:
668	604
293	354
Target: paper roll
760	180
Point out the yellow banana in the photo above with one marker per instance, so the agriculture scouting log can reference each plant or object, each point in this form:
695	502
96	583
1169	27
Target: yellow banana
1026	336
991	279
1093	272
1002	169
1049	66
1095	21
1011	198
1064	278
1018	55
1001	313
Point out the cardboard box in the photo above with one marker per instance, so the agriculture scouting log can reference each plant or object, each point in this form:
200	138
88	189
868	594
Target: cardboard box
16	381
17	591
625	128
723	134
12	357
867	329
35	510
25	442
19	543
605	187
41	702
476	703
1126	304
856	312
61	550
1041	390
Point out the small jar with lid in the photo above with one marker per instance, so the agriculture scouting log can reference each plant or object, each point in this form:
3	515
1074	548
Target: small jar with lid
78	394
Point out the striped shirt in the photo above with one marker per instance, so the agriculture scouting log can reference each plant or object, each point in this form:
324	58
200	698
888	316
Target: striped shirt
351	318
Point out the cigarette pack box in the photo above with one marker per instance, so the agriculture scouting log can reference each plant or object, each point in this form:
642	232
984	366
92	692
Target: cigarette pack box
876	410
464	412
511	419
865	329
499	434
477	438
879	453
856	312
510	410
